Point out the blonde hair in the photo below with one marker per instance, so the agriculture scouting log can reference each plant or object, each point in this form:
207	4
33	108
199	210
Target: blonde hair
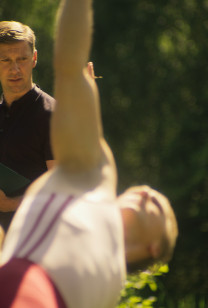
13	31
168	241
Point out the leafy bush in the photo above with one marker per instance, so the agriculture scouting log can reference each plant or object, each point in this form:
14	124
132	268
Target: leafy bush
140	290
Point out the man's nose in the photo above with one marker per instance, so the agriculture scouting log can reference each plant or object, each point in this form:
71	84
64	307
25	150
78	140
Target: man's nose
14	67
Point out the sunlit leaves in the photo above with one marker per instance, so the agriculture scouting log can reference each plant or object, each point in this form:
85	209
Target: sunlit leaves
132	296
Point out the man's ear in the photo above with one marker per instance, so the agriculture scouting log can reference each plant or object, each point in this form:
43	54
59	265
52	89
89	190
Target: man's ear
35	58
154	250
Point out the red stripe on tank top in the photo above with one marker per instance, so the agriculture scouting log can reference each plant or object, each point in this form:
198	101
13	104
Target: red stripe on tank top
53	220
49	226
36	223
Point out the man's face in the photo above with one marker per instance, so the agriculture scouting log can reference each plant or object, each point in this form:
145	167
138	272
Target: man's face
151	216
16	64
142	208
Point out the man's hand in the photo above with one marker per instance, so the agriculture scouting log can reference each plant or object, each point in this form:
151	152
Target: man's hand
90	69
8	204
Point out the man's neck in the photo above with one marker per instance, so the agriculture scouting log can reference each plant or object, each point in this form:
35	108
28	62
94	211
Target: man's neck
10	98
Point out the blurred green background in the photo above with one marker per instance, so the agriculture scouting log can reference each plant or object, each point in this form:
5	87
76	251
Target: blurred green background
153	57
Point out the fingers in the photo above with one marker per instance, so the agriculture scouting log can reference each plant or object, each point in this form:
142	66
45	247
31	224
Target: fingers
90	69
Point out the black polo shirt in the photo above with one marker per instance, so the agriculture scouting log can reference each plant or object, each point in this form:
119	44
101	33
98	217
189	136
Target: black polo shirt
25	133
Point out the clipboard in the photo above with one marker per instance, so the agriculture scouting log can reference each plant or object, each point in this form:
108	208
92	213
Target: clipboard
11	181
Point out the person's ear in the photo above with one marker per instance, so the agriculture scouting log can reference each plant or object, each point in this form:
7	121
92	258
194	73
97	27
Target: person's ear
154	250
35	58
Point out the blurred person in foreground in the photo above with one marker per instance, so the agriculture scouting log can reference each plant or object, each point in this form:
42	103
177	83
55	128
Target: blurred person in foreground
72	238
25	112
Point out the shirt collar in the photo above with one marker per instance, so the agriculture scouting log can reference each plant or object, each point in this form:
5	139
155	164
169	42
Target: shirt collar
19	101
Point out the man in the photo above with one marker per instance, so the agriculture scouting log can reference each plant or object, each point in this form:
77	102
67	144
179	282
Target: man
70	224
24	113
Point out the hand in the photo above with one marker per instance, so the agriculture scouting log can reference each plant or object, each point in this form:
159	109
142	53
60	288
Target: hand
8	204
90	69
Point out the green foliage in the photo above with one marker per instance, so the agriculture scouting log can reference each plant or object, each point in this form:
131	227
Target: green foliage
140	289
154	101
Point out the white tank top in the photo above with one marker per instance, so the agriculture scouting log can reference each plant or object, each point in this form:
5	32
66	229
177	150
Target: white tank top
76	236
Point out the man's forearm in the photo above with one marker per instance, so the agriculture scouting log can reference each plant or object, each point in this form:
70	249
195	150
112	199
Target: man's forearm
76	127
73	35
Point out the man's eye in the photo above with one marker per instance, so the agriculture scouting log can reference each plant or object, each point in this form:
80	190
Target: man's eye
4	60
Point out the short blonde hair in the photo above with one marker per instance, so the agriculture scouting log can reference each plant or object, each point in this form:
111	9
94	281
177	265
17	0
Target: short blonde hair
13	31
168	241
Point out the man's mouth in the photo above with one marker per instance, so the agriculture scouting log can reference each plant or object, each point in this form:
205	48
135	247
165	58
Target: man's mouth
15	79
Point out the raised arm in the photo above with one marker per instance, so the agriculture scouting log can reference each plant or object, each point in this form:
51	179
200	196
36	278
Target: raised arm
76	124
